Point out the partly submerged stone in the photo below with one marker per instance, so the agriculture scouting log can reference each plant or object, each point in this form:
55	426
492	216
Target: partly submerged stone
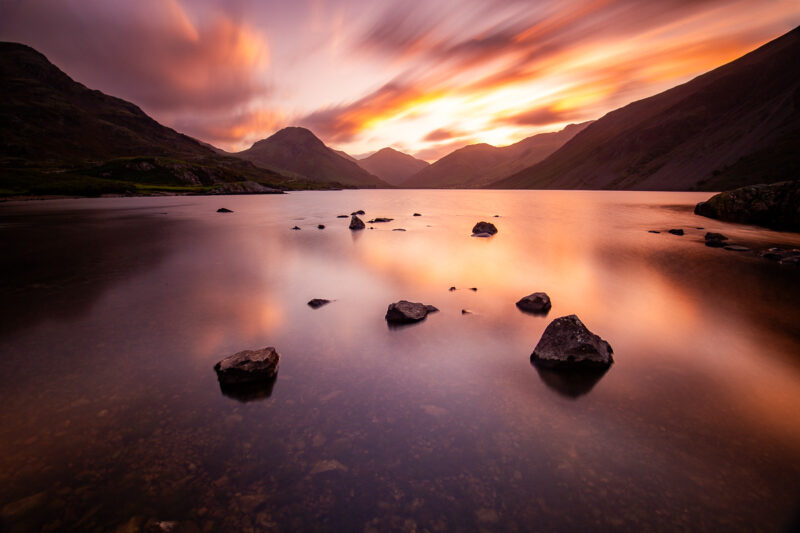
538	302
417	215
295	228
224	210
676	231
711	236
318	302
405	312
773	206
484	227
248	366
567	344
484	235
356	223
737	248
320	226
359	212
380	219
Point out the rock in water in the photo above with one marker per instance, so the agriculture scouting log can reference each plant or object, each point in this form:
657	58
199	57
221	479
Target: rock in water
318	302
484	227
359	212
224	210
567	344
356	223
341	216
773	206
482	235
295	228
711	236
538	303
417	215
380	219
405	312
248	366
320	226
676	231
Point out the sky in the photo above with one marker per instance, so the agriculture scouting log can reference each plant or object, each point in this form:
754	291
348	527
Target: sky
424	77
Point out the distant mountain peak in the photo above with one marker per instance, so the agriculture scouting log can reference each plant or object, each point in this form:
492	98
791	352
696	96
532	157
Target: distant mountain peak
391	165
298	150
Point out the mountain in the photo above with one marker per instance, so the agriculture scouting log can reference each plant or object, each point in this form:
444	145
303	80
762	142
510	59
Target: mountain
478	165
736	125
346	155
300	151
392	166
60	137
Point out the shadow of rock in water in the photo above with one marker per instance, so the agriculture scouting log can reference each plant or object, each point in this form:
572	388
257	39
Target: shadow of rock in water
249	392
572	384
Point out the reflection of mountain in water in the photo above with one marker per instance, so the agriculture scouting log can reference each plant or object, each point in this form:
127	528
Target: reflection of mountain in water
249	392
56	265
570	384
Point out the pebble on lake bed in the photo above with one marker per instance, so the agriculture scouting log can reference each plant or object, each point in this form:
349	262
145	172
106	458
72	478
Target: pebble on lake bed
248	366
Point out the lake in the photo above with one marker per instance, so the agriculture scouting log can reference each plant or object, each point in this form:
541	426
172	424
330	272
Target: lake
116	309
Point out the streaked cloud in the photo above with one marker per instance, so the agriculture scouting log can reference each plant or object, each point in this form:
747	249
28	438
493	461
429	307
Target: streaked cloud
363	75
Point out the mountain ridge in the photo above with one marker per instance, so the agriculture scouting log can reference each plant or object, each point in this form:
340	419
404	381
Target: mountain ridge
735	125
477	165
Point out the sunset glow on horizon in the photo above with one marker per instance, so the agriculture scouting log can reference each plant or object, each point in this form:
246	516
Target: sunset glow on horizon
422	78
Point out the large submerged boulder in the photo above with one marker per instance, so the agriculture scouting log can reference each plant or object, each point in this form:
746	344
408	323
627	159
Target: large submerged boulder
248	366
567	344
405	312
775	206
537	303
484	228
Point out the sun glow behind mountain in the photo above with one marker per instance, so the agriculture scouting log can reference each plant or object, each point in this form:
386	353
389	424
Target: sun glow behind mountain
362	75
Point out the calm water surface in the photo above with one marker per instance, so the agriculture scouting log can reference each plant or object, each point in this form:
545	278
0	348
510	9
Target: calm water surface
115	310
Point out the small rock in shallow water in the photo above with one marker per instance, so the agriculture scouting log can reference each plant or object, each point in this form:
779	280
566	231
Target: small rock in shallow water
473	288
248	366
318	302
538	303
295	228
380	219
653	231
224	210
484	227
737	248
711	236
451	289
320	226
341	216
466	312
405	312
676	231
359	212
356	223
417	215
398	229
567	344
715	243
